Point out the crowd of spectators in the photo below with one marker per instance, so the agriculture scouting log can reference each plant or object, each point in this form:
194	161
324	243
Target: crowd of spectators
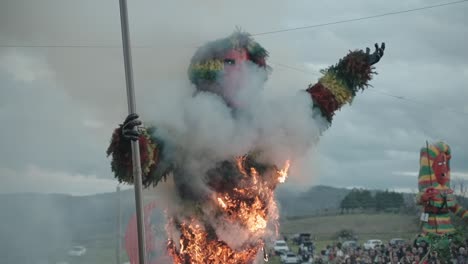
404	253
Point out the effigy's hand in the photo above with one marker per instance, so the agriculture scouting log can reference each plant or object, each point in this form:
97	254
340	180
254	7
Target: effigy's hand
377	55
128	126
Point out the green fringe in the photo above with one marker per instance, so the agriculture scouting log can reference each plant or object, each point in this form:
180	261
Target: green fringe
353	70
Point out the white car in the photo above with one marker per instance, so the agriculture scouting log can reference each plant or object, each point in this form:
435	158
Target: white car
397	242
280	246
372	243
289	258
77	251
349	244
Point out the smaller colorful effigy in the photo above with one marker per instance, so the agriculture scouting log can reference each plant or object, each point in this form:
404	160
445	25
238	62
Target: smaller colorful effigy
435	193
438	200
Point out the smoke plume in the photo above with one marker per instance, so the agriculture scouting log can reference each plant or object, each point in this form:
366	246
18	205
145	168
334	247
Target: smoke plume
199	129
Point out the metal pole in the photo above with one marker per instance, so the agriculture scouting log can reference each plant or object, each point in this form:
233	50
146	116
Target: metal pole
135	145
119	227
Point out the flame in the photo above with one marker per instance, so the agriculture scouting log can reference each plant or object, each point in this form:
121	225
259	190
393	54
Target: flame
196	247
283	173
250	205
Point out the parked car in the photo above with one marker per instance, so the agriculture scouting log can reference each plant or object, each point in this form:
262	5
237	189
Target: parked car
397	242
289	258
349	244
77	251
305	257
372	243
280	246
306	246
301	237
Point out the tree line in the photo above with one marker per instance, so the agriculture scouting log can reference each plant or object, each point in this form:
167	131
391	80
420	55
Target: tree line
365	200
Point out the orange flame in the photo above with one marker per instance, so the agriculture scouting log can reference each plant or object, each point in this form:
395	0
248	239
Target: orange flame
196	247
250	205
283	173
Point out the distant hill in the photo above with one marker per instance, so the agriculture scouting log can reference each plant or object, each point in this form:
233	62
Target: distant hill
311	202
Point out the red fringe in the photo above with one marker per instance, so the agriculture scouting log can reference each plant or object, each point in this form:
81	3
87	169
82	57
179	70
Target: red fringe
357	68
324	99
121	152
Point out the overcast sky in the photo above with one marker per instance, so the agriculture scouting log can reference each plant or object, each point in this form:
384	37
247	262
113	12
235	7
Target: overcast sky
59	105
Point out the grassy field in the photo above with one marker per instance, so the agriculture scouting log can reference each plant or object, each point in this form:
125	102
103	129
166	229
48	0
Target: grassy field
365	226
101	248
383	226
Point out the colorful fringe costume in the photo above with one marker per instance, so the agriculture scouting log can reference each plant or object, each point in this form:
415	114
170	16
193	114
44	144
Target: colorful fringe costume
435	193
213	69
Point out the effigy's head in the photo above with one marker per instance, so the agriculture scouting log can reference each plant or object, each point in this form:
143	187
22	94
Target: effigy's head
223	66
434	166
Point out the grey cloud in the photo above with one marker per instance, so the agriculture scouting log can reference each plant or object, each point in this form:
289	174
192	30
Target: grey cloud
432	35
363	134
45	128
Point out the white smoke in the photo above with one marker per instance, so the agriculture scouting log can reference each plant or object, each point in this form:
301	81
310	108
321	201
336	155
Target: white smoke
205	129
199	129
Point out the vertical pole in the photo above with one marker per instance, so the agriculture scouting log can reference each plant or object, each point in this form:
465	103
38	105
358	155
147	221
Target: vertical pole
119	227
135	146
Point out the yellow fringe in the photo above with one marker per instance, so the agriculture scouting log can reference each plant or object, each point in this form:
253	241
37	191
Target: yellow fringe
151	147
211	65
337	88
151	162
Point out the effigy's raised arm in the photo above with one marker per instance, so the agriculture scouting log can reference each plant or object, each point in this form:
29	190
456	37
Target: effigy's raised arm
341	82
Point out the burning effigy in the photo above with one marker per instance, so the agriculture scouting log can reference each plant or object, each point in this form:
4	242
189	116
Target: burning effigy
229	149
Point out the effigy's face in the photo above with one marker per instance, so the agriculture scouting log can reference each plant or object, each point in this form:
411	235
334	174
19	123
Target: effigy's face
441	168
234	75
